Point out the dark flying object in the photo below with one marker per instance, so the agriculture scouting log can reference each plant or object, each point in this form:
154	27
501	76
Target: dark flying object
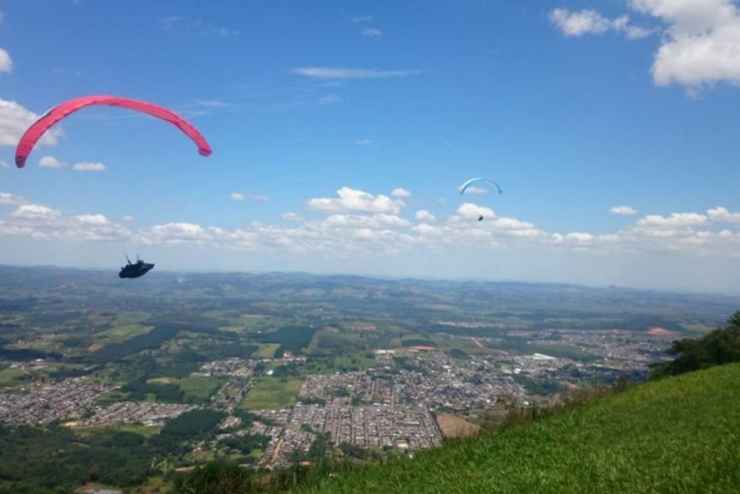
135	269
480	218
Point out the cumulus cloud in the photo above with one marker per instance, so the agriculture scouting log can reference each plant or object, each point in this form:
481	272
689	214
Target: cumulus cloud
6	63
8	199
623	211
86	166
356	200
372	32
721	214
337	73
92	219
35	211
15	119
50	162
673	221
701	44
579	23
425	216
237	196
471	211
400	193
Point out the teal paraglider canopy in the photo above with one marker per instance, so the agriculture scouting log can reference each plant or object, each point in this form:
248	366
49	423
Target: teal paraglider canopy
472	181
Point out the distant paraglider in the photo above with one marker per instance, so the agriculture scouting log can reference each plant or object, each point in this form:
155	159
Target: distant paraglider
472	181
468	183
61	111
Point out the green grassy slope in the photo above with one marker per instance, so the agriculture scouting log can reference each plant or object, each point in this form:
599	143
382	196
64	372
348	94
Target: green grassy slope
676	435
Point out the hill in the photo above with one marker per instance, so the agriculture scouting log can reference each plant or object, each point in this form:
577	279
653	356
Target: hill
679	434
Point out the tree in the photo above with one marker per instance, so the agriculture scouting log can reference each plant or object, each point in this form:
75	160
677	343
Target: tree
721	346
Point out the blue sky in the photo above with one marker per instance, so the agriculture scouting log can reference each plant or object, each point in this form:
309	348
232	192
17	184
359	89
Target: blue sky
571	106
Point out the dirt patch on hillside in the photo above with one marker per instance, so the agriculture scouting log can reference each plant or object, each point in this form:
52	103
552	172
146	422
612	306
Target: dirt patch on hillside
453	426
661	332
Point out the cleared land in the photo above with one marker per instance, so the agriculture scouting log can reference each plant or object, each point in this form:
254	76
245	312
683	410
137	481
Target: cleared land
675	435
453	426
271	393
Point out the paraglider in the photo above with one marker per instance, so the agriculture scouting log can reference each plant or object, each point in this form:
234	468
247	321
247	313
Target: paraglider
63	110
465	186
135	270
470	182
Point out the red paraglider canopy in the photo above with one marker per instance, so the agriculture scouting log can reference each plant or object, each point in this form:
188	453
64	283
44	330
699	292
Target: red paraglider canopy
50	118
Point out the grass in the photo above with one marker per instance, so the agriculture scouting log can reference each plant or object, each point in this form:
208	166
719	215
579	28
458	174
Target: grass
121	333
142	430
269	393
266	350
679	435
10	376
200	388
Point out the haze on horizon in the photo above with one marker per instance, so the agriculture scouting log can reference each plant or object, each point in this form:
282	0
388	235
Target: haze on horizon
340	136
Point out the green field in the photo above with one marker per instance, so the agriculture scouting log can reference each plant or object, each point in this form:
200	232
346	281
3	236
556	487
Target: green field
677	435
269	393
122	332
10	376
267	350
200	388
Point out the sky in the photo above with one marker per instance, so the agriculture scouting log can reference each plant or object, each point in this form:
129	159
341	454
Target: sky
342	130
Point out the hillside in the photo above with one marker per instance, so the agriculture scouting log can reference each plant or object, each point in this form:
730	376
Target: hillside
680	434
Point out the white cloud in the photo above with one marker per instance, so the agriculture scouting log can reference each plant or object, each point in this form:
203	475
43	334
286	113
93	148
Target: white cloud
673	221
330	99
345	73
425	216
128	219
92	219
721	214
573	23
6	63
175	233
579	237
579	23
400	193
291	216
471	211
50	162
34	211
15	119
88	167
7	199
372	32
356	200
701	44
239	196
623	210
